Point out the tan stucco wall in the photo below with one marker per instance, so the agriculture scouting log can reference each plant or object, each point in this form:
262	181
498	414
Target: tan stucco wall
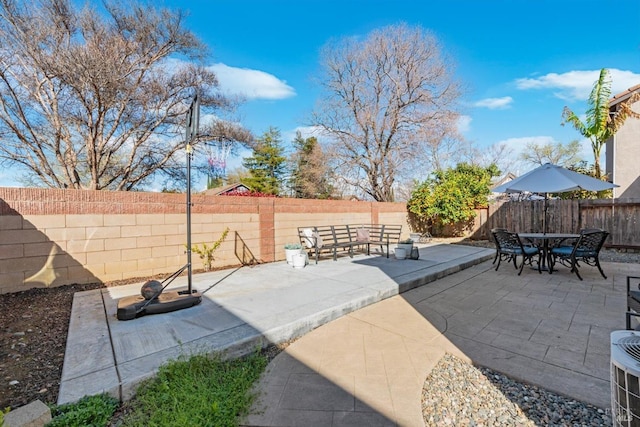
59	237
623	158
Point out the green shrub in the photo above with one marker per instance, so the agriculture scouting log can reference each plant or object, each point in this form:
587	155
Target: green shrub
450	196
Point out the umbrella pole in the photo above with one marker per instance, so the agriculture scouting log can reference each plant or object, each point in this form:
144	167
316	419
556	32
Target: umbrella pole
544	216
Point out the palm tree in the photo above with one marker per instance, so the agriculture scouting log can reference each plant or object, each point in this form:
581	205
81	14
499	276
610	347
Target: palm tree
600	124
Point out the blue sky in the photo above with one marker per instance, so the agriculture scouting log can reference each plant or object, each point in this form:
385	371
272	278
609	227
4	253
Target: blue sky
521	61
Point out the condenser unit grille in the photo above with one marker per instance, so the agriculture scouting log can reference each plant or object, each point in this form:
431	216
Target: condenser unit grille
631	346
625	374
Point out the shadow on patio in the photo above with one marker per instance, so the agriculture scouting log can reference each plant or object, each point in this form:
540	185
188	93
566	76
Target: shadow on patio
548	330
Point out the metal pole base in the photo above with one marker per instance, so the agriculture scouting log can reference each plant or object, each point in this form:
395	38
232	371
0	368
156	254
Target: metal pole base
136	306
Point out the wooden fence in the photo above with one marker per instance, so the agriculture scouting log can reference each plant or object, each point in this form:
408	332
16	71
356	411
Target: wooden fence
620	217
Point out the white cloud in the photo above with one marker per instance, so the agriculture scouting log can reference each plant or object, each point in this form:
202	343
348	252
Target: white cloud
464	123
586	151
251	84
306	132
495	103
577	85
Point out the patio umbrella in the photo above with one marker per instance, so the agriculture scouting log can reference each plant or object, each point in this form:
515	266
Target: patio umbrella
550	178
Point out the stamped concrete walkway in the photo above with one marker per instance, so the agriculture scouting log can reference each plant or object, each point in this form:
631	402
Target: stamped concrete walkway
368	367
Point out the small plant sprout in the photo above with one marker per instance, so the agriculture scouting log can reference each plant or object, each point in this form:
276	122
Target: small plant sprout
206	252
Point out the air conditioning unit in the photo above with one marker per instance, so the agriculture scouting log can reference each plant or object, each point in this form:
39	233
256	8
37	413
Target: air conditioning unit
625	378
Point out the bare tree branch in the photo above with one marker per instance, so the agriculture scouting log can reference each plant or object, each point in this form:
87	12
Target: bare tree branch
97	101
388	100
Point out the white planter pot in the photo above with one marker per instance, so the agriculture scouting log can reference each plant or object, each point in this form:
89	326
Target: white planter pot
299	260
290	253
407	247
401	253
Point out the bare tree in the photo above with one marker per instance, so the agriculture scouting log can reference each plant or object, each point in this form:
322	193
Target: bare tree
388	99
557	154
97	100
498	154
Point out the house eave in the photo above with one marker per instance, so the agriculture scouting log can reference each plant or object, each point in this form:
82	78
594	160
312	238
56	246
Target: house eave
623	96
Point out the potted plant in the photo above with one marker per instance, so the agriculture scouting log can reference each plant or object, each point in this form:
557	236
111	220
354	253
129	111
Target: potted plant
406	244
400	253
299	260
291	249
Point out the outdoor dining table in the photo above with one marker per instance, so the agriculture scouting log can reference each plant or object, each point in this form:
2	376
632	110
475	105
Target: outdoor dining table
545	237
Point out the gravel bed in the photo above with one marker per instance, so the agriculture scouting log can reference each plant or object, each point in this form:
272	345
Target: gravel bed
458	394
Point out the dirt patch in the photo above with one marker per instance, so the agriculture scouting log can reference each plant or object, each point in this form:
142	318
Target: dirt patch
33	338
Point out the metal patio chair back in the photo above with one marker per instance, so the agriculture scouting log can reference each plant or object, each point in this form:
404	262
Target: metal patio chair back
586	249
509	248
495	230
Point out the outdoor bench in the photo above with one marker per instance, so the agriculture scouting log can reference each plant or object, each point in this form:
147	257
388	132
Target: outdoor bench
326	237
346	237
376	234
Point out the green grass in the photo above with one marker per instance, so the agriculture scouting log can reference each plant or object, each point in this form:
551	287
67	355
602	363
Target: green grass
199	390
2	412
90	411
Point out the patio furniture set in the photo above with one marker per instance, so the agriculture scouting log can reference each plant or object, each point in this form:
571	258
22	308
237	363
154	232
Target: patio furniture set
318	239
550	249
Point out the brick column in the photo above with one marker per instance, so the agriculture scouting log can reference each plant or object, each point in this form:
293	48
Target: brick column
267	229
375	212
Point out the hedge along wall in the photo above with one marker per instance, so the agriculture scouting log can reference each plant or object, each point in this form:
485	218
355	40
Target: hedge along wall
54	237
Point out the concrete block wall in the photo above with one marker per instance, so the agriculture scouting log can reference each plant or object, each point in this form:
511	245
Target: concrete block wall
51	237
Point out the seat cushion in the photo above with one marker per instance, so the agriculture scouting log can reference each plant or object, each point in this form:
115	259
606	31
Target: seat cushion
566	251
562	250
528	250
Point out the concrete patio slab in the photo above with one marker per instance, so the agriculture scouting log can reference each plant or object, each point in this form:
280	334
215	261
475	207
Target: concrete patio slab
369	331
241	310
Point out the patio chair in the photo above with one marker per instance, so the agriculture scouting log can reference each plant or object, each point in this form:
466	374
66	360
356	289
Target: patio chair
633	301
509	248
586	249
494	230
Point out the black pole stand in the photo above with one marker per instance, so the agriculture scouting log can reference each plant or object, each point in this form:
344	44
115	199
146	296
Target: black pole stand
163	302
